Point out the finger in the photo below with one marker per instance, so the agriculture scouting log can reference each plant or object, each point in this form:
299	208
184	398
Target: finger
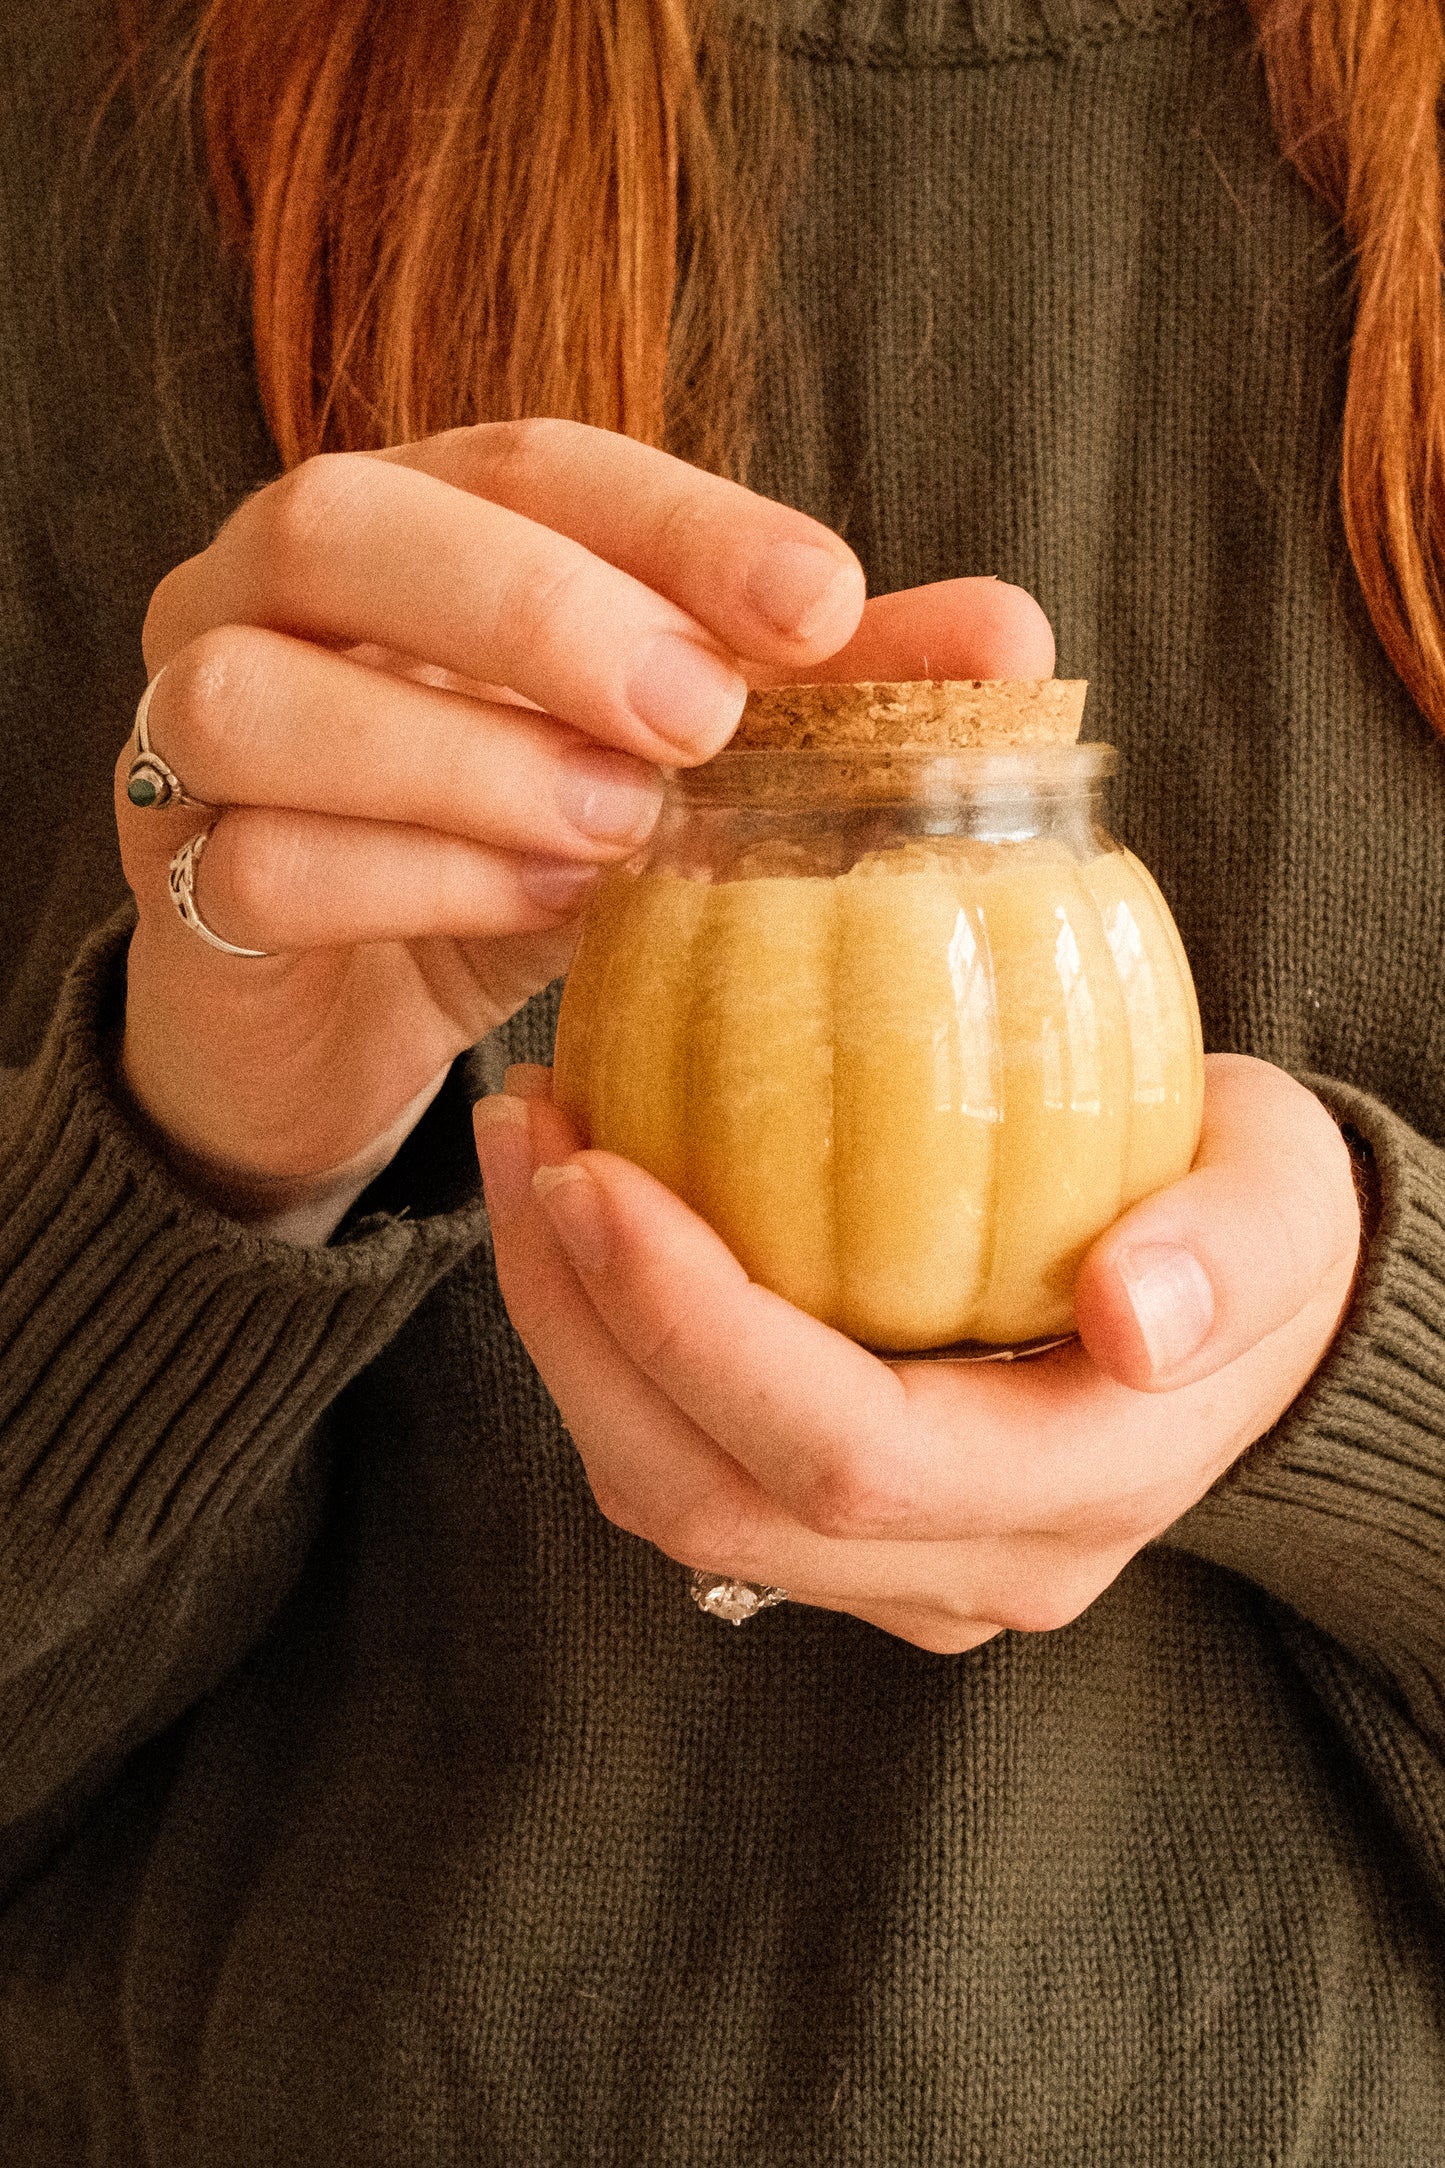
675	1487
851	1447
1264	1225
819	1422
975	628
639	1450
768	582
251	717
652	1469
859	1450
283	881
352	550
531	1080
657	1474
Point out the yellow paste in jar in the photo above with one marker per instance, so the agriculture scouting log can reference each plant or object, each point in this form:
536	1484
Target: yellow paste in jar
908	1097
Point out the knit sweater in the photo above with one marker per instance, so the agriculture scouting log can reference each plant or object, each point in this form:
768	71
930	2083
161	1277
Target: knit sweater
366	1799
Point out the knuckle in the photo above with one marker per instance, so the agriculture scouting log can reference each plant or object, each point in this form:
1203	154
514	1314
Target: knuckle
711	1536
510	454
1312	1228
1307	1230
304	508
616	1505
1309	1205
660	1342
543	593
261	869
164	610
1339	1198
207	692
844	1498
680	529
664	1340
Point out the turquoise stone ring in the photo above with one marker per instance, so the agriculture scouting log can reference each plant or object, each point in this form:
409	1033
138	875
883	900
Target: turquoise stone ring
149	783
142	788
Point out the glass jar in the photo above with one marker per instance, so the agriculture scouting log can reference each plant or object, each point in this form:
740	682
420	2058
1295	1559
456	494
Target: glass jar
907	1028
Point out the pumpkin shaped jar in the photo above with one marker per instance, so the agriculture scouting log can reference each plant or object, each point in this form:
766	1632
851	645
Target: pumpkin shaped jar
884	1003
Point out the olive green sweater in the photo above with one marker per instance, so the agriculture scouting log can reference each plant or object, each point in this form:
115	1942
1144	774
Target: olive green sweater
366	1800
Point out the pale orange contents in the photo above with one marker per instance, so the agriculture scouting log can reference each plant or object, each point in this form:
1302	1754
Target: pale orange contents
908	1097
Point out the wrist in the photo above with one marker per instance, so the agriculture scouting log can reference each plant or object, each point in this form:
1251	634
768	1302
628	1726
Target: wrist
313	1219
296	1208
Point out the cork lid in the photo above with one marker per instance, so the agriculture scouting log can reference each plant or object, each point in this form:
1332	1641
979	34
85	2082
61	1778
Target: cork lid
918	715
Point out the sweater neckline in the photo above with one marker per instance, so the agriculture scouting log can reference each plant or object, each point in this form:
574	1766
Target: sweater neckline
909	33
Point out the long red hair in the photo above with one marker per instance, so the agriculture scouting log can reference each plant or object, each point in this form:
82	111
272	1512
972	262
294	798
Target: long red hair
453	210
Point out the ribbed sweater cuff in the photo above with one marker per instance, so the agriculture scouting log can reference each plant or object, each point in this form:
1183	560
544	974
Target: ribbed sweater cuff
157	1360
1340	1510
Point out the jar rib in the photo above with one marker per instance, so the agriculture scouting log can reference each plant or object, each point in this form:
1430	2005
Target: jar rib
1066	1089
640	1029
914	1135
1163	1023
604	932
760	1083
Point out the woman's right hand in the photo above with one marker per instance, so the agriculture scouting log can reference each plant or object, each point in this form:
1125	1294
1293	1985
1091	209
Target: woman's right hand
430	690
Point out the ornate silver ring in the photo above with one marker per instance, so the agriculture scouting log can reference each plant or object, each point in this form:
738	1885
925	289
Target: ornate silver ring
720	1596
149	783
183	896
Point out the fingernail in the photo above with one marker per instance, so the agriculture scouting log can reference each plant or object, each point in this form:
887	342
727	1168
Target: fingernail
687	695
504	1153
554	885
568	1196
798	587
1172	1300
609	798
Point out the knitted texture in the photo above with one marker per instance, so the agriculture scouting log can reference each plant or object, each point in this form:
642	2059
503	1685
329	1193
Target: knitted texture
365	1798
161	1370
907	34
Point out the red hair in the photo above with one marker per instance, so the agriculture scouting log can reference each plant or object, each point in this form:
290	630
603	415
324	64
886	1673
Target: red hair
404	184
1355	87
453	211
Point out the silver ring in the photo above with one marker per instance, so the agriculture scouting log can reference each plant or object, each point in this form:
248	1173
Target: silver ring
720	1596
149	783
183	896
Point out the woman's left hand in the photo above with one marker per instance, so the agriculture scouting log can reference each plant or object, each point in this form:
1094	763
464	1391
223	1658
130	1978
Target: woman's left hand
942	1502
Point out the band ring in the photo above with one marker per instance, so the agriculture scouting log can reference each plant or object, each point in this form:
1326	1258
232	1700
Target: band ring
720	1596
183	894
149	782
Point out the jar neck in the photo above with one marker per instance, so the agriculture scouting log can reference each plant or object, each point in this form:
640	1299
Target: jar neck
814	812
1024	790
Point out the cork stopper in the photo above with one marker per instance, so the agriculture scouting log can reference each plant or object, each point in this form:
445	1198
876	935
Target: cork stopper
921	715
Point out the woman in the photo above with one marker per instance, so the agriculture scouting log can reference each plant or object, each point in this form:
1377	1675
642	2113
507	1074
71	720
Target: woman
369	1795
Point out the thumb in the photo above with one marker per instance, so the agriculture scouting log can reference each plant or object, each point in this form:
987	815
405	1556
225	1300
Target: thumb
969	628
1265	1222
